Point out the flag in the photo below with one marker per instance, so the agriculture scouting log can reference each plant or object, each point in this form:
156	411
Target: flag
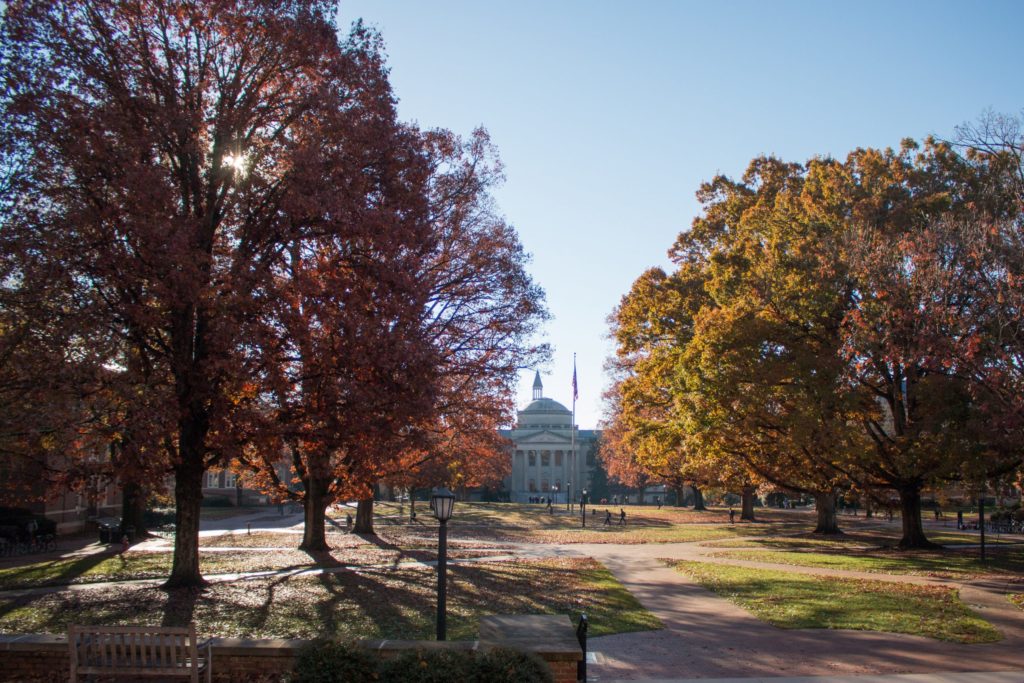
575	389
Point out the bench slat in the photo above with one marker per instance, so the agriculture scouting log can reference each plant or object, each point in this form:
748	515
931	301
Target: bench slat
137	651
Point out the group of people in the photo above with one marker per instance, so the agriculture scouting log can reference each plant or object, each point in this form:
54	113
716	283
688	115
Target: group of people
608	517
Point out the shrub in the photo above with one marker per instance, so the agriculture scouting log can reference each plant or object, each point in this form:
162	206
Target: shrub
502	665
216	502
325	661
428	666
331	662
1018	515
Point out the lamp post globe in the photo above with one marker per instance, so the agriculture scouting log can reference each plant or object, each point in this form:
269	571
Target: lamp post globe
443	502
583	506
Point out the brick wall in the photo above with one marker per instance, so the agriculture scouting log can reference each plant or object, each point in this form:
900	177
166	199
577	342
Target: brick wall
43	658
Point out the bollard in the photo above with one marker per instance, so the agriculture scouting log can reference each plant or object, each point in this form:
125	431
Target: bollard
581	636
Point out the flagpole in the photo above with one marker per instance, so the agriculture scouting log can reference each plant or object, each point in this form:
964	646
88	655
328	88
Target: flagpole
572	430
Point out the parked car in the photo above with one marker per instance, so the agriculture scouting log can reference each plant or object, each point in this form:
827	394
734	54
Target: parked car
15	524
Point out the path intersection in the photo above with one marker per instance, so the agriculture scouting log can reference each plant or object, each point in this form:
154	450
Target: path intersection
707	637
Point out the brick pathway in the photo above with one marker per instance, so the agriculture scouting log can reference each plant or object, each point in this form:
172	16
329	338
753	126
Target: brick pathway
706	636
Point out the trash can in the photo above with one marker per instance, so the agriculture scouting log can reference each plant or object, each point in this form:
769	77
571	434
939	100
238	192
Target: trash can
109	529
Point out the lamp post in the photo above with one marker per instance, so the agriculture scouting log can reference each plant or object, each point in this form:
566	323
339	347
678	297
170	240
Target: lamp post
443	502
568	496
583	507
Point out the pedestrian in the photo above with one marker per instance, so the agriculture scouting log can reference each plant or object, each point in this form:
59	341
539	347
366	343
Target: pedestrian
607	517
622	517
732	516
657	499
124	543
959	519
348	520
280	508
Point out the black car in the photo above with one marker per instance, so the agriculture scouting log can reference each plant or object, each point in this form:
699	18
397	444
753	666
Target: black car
15	524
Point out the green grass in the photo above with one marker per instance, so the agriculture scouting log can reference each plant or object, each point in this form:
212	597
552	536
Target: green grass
948	563
397	604
521	522
798	601
860	538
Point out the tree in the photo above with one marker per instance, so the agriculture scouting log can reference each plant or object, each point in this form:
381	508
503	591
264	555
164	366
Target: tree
161	157
763	365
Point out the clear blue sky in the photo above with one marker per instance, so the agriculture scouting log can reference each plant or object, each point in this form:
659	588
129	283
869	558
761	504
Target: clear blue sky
608	115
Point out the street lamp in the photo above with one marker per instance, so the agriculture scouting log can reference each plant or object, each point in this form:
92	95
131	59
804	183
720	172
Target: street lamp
568	496
583	507
443	502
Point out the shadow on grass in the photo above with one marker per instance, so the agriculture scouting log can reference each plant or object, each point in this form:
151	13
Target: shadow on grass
50	573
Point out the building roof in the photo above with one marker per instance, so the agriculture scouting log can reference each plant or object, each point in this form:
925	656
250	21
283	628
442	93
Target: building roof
546	405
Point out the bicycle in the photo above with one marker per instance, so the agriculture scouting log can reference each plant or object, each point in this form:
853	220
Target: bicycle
44	543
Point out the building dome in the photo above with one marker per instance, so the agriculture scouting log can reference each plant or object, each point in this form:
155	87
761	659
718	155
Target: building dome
546	405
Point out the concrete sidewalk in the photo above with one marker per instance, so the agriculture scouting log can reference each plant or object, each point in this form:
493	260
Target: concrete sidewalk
974	677
708	638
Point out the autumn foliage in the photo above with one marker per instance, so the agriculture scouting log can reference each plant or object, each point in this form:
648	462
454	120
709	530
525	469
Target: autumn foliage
837	325
228	250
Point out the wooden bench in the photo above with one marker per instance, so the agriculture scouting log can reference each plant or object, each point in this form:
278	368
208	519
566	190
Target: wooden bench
138	651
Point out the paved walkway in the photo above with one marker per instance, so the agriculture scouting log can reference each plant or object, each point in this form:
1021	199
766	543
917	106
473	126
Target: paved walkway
707	638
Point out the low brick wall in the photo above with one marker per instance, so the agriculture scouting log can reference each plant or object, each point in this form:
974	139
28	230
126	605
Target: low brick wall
43	658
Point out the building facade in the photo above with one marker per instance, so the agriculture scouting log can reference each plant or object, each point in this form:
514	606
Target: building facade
551	457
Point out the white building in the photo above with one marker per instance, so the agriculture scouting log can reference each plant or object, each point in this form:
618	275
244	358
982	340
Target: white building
551	457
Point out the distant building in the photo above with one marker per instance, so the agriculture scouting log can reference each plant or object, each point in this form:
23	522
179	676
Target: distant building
544	462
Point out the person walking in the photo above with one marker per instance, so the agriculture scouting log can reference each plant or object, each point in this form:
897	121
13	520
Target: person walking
607	517
622	517
732	516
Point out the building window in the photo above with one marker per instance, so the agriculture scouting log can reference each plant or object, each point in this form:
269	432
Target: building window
533	485
558	458
590	457
558	484
544	486
533	460
213	480
545	458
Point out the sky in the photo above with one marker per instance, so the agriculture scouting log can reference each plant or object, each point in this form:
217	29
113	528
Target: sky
609	115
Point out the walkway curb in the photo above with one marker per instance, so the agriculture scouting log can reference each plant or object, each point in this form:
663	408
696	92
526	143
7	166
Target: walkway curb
965	677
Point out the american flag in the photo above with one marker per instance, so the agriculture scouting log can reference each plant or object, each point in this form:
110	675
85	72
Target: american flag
575	389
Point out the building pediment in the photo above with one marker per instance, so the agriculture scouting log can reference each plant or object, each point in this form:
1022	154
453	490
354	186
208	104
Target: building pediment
544	436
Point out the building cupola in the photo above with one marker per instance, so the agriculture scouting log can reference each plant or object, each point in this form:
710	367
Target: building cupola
538	387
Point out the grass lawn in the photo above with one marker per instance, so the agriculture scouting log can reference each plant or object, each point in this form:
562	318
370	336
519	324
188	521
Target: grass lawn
157	565
348	604
532	523
863	538
798	601
944	563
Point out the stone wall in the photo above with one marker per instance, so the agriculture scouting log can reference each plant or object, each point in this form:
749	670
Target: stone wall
43	658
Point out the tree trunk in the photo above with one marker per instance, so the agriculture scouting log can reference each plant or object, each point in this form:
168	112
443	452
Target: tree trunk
364	517
133	509
680	502
314	532
747	513
828	521
913	532
698	499
188	495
